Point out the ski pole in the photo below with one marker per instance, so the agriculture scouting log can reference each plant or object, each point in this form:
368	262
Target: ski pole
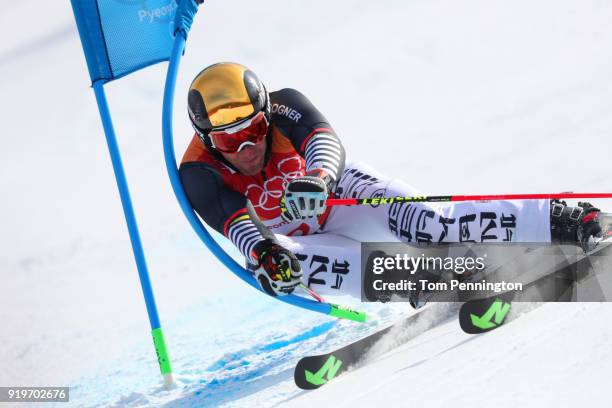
312	293
456	198
338	311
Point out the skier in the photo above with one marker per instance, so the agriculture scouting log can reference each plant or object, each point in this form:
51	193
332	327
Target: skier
261	165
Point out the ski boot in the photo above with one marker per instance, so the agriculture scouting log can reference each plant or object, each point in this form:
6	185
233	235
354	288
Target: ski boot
368	280
575	225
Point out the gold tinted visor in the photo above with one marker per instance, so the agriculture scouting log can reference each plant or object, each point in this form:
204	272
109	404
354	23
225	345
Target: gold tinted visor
225	94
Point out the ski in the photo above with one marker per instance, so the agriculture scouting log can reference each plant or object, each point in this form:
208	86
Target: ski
312	372
483	315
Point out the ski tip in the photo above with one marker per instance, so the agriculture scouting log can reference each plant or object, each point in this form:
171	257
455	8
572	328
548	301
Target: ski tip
483	315
315	371
301	375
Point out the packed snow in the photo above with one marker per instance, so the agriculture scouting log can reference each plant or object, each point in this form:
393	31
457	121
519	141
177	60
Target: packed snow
453	97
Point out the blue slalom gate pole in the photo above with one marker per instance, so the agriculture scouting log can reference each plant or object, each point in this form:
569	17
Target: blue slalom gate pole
215	248
130	219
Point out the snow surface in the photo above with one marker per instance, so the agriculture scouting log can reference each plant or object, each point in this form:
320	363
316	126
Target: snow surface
453	97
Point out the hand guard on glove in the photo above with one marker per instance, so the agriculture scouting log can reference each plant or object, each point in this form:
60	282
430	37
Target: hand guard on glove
279	271
305	197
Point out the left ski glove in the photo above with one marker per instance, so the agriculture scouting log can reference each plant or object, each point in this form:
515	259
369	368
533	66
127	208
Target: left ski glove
305	197
279	271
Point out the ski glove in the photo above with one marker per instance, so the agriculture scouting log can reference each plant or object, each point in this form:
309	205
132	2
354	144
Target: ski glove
279	271
304	198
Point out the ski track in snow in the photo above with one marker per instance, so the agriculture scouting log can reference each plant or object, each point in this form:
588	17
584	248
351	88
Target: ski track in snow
476	97
240	373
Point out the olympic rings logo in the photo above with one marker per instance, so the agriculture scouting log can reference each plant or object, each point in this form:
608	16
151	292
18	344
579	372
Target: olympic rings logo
267	198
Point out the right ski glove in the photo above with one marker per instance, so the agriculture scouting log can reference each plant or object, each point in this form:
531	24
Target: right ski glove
279	271
305	196
576	225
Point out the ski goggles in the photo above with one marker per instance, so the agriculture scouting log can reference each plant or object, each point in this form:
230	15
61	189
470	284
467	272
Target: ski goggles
234	138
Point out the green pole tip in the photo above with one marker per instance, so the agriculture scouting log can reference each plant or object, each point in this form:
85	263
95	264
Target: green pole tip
162	352
342	312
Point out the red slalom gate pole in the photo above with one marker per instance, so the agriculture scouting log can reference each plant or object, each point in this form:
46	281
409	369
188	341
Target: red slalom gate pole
456	198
